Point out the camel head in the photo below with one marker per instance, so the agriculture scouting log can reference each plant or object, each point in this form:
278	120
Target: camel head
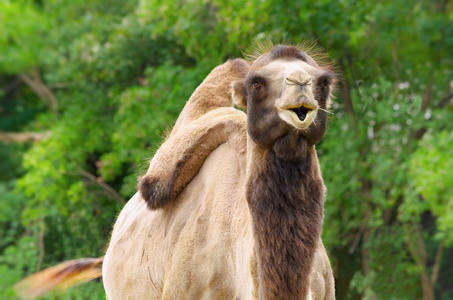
286	94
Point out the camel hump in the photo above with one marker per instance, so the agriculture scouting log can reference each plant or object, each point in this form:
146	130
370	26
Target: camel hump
214	92
61	277
207	120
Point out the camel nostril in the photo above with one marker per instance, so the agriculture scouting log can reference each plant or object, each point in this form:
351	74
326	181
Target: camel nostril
291	81
301	80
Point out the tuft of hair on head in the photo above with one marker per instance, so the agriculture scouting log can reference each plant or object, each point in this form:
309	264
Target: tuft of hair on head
306	45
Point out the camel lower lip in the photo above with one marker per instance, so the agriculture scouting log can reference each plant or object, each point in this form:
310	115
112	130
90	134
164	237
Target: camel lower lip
294	117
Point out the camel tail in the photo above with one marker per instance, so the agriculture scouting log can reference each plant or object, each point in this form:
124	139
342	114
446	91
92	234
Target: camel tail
60	277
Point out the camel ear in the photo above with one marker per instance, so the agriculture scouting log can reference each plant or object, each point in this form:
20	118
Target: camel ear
238	93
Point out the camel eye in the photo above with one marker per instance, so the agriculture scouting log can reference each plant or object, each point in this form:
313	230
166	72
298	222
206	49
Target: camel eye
256	85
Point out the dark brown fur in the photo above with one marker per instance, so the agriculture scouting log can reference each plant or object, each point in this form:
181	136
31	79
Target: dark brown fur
322	90
286	204
156	193
263	125
286	197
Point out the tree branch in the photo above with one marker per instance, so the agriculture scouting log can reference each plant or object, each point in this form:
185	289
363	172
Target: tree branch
421	244
351	70
436	266
41	246
448	95
359	233
107	188
16	137
346	93
412	248
428	92
33	80
444	101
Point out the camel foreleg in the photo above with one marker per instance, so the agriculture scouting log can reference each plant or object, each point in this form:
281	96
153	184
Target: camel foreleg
180	158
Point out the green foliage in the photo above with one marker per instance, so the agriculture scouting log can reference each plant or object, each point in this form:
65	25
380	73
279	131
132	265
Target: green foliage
431	168
16	261
154	106
90	290
387	252
121	72
20	35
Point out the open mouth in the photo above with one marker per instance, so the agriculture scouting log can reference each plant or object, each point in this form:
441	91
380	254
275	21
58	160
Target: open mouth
300	117
301	112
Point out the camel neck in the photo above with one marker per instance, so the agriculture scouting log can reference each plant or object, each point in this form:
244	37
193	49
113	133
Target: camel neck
286	204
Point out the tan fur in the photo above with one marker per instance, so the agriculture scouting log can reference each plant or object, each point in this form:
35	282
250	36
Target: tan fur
213	92
199	243
173	166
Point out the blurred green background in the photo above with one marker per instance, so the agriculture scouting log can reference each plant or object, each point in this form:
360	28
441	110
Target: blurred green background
87	88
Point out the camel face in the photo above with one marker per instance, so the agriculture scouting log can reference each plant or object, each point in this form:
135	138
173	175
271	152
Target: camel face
286	94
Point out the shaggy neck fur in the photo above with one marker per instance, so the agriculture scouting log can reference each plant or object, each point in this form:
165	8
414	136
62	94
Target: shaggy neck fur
286	204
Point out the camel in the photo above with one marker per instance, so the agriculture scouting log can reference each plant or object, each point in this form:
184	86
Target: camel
231	206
